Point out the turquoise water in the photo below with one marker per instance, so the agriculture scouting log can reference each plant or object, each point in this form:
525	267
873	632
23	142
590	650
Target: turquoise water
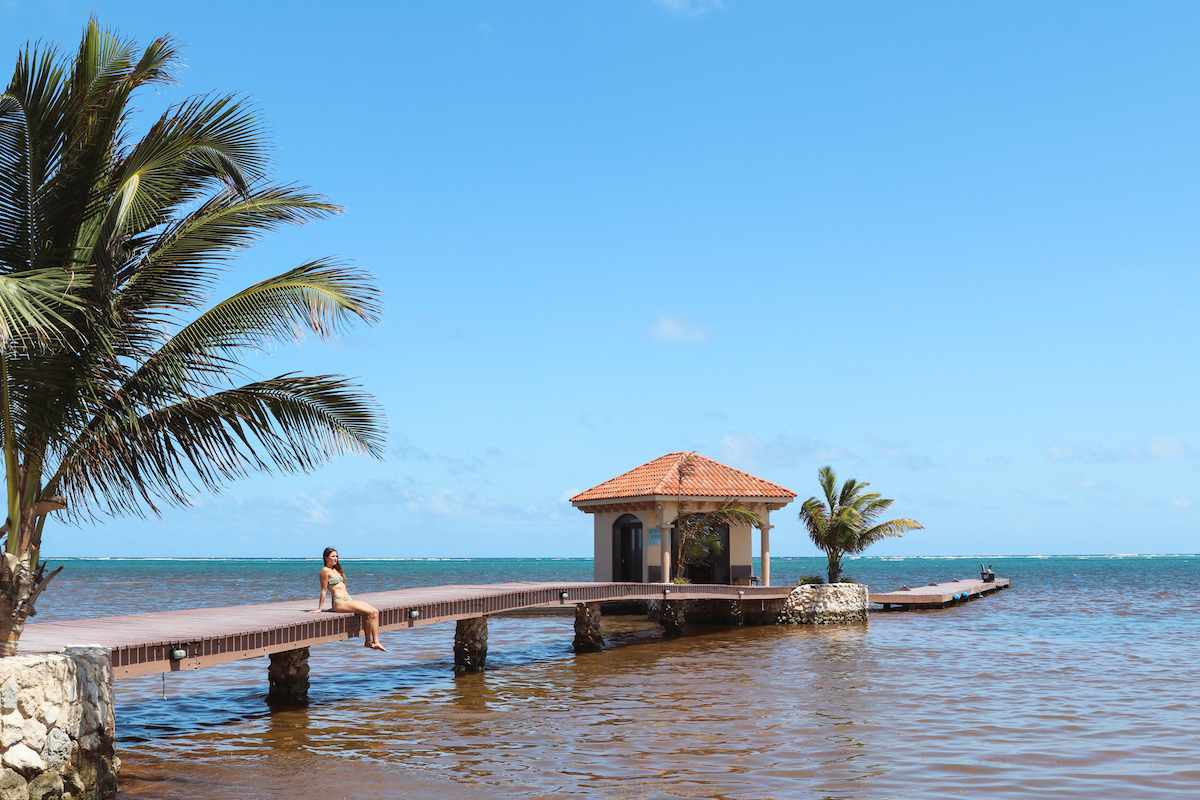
1079	682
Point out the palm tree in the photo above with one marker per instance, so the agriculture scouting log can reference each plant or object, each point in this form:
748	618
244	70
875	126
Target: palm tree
121	385
845	522
699	533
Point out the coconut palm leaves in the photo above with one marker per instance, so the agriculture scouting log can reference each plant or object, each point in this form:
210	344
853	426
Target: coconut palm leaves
122	385
845	521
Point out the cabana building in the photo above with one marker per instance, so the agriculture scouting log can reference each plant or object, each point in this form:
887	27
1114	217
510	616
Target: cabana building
636	512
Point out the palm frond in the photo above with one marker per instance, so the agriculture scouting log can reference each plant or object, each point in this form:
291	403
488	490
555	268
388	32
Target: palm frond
32	306
182	263
289	423
828	482
815	517
321	296
892	529
107	240
845	526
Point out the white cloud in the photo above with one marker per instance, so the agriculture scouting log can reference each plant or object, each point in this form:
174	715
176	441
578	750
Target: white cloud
1181	502
568	494
671	328
1045	502
747	449
898	453
455	465
405	449
314	511
1166	447
1156	446
690	8
419	499
940	502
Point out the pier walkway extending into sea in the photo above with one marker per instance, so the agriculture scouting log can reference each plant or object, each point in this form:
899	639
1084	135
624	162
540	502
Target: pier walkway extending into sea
168	641
938	595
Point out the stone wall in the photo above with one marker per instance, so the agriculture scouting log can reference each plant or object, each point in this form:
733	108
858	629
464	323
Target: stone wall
806	605
825	604
57	729
715	612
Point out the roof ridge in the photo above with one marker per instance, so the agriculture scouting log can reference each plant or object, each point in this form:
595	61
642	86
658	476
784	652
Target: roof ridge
660	476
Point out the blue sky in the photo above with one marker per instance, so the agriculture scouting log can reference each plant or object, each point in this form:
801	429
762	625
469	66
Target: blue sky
948	248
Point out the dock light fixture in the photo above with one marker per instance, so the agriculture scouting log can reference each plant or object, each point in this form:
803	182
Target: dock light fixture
414	614
178	654
666	591
563	595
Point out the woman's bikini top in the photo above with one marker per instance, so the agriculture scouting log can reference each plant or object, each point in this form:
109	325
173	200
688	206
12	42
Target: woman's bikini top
335	581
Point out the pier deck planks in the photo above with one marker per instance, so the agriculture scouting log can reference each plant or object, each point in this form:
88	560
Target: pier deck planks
142	643
937	595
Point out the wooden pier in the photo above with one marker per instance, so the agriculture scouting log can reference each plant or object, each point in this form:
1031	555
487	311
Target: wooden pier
938	595
169	641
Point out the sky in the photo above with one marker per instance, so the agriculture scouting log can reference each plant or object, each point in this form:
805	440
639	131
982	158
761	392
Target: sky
947	248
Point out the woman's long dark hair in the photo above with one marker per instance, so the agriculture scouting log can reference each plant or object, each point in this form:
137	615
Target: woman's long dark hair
325	557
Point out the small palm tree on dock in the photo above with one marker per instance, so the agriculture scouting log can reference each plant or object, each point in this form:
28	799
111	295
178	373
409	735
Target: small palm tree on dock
121	386
845	521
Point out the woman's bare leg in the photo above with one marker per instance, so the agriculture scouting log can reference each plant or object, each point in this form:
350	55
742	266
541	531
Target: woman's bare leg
370	615
371	632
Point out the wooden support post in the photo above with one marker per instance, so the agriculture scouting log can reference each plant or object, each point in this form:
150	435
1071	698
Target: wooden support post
288	676
470	644
588	638
673	617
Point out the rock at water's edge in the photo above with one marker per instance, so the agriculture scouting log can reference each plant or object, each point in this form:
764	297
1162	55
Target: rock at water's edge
825	604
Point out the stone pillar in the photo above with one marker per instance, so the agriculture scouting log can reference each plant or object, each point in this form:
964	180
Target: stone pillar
665	550
766	549
654	610
736	617
470	644
57	727
825	604
588	638
673	612
288	677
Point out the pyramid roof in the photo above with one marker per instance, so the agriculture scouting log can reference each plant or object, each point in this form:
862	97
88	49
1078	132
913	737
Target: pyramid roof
702	478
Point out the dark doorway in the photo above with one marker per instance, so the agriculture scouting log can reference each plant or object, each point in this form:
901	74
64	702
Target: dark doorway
714	570
627	549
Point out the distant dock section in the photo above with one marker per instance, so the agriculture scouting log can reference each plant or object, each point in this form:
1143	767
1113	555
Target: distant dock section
937	595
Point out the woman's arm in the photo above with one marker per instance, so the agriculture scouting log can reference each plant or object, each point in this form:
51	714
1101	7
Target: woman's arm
324	587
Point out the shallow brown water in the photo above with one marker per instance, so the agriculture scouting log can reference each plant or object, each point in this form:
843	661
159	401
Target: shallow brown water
1059	688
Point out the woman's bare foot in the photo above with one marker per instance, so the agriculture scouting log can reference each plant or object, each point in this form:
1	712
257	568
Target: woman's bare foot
376	646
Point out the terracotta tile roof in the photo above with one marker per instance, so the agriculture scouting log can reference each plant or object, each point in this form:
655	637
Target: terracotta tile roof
705	478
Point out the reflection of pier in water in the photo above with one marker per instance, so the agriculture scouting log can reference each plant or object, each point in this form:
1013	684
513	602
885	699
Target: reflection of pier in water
169	641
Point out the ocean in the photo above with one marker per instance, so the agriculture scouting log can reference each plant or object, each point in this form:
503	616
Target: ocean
1081	681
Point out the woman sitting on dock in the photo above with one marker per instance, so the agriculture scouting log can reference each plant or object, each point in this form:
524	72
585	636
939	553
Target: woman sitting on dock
333	579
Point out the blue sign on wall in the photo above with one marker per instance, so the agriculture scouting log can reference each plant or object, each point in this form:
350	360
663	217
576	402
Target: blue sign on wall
656	537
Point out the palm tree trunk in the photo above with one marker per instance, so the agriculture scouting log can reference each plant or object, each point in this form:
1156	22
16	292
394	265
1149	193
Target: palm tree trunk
16	583
835	567
10	460
19	588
